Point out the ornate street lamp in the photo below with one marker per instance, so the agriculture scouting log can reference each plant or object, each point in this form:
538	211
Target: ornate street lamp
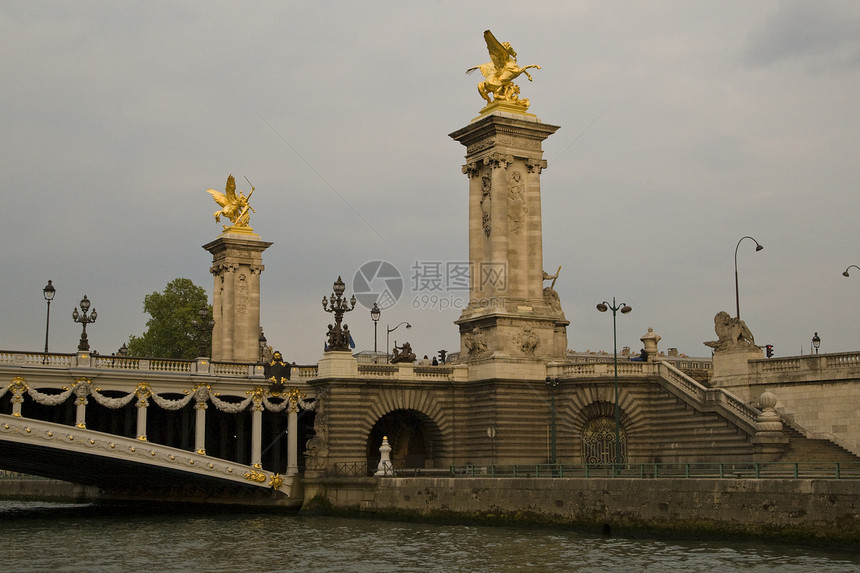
84	320
758	247
204	326
374	316
388	335
49	291
338	335
845	274
263	344
816	342
624	308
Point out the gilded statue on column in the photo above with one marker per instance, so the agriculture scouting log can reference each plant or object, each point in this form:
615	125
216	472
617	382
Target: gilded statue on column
235	207
500	72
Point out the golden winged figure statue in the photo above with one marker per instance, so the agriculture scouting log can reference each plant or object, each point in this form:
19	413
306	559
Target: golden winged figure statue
234	207
500	72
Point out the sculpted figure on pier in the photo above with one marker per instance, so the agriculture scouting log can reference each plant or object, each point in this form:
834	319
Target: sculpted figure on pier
500	72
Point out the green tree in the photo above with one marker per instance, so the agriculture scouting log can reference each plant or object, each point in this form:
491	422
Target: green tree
171	330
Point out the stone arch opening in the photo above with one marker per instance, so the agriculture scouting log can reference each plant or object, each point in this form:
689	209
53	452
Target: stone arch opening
603	441
415	439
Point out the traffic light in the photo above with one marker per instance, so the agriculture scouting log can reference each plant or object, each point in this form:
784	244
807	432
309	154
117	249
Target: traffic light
768	350
442	355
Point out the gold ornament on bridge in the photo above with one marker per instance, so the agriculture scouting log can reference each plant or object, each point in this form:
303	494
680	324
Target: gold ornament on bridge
234	207
500	73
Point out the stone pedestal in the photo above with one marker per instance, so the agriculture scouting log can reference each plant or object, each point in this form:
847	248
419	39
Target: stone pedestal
769	440
338	364
510	313
731	369
236	265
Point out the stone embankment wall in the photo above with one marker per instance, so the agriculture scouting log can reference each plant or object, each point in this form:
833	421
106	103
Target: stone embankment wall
28	488
805	511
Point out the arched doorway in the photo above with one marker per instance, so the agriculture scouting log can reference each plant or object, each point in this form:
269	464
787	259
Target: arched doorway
414	438
601	445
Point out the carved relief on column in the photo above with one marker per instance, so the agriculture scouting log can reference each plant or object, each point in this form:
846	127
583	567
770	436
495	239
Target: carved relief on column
242	294
486	198
517	208
526	340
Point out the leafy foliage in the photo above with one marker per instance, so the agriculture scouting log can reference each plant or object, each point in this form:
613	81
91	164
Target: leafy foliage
171	330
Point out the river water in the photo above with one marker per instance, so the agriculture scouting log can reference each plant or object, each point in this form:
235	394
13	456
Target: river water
39	536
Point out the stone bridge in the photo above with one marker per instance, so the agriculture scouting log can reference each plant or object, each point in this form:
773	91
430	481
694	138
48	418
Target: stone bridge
154	429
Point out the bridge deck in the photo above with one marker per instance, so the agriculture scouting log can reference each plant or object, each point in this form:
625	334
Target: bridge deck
126	468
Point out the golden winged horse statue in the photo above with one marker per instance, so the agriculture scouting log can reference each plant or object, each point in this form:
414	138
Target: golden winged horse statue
234	207
500	72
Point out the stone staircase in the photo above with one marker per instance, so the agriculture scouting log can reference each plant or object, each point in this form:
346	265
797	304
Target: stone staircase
803	449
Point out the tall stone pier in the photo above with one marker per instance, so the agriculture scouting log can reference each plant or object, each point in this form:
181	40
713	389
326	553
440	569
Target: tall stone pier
236	265
511	315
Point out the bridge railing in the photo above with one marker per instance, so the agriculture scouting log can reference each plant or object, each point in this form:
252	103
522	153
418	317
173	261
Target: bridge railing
672	379
131	363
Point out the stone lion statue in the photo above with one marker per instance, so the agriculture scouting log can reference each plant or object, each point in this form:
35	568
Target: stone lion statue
731	333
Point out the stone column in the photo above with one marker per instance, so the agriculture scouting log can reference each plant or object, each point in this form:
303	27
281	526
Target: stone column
257	433
200	428
293	441
510	315
142	406
236	266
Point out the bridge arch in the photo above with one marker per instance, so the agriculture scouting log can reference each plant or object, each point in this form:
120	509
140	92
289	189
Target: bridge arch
417	428
591	420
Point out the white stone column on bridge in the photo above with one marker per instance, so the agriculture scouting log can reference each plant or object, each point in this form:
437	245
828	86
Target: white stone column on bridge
142	407
81	390
200	427
257	430
293	440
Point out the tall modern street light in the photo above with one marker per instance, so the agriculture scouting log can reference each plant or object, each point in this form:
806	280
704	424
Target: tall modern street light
49	291
758	247
624	308
845	274
84	320
388	334
374	316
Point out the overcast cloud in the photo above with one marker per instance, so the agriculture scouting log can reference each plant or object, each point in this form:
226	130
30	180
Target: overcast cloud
684	127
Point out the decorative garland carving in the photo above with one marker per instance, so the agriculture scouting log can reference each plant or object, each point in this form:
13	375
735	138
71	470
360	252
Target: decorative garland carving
201	393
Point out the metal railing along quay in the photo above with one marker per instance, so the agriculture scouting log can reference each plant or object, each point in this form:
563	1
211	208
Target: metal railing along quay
734	470
761	470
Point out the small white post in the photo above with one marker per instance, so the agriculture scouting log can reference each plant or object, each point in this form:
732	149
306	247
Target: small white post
384	468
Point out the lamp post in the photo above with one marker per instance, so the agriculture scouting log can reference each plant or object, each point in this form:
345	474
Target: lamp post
263	344
84	320
374	316
388	334
816	342
338	334
758	247
844	274
49	291
624	308
203	325
552	383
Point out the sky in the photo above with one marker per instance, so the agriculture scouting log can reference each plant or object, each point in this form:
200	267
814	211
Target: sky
684	127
